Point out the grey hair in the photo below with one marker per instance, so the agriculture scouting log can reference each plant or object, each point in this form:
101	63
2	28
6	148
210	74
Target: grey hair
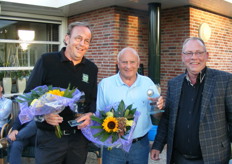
194	38
128	49
74	24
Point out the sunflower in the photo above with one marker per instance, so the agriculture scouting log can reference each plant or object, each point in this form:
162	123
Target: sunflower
56	92
110	124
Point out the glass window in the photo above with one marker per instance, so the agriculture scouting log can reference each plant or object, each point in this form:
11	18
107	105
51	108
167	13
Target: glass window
24	51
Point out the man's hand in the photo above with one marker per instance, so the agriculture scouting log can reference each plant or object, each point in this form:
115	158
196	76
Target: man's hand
53	119
12	135
158	101
154	154
86	118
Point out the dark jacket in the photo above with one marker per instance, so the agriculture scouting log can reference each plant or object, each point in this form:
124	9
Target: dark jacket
215	130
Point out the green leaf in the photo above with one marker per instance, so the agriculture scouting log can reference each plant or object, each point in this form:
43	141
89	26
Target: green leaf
23	97
115	137
94	118
99	133
102	113
112	110
96	127
133	111
121	106
129	107
105	137
49	88
68	92
126	113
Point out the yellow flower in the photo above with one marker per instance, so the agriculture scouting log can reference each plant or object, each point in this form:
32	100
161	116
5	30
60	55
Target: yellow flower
129	122
56	92
33	101
37	103
110	124
108	114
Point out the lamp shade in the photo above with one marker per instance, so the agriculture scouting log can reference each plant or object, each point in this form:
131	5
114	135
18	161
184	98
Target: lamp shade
26	35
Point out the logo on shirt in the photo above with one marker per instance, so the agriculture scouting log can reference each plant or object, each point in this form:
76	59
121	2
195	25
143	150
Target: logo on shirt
85	78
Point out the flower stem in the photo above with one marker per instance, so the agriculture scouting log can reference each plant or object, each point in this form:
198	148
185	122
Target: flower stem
58	131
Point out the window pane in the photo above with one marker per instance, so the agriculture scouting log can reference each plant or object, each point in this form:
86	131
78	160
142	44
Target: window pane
43	31
12	55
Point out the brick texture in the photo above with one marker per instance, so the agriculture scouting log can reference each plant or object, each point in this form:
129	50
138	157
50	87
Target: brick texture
118	27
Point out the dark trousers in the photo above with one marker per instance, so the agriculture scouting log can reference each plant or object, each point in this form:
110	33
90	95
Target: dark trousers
180	159
68	149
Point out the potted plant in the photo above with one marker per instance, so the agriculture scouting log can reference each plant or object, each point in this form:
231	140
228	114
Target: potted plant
21	79
7	80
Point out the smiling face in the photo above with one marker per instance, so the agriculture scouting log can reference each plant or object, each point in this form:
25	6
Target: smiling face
128	64
196	62
77	43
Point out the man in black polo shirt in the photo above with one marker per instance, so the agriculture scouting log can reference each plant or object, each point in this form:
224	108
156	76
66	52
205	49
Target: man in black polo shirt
197	122
59	69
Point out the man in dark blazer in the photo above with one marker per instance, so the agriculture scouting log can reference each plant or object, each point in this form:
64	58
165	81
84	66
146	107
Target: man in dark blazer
197	122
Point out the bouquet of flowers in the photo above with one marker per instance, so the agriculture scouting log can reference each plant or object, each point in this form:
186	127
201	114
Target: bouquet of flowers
113	126
45	100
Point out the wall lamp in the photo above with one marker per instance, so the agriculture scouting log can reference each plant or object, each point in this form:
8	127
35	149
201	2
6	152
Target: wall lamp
26	36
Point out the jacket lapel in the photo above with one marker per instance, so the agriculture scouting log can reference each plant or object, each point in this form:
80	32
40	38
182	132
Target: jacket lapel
207	91
177	86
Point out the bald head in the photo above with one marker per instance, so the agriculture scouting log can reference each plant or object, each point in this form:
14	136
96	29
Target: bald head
128	50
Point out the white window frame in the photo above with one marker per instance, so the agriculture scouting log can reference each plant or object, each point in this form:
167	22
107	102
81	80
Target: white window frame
34	18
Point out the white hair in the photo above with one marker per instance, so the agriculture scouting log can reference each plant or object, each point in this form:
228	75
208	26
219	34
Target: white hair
128	49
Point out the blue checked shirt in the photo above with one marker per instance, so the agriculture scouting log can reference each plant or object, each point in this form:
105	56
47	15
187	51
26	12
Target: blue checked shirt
5	110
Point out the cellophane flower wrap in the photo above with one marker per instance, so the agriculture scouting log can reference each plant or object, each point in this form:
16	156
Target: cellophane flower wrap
46	100
113	126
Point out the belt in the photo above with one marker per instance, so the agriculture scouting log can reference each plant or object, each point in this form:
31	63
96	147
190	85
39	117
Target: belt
138	139
69	132
191	157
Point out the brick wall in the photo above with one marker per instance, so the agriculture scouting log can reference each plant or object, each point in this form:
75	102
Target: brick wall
219	45
174	30
118	27
179	23
115	28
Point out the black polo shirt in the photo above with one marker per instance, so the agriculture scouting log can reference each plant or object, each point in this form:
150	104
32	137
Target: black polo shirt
186	139
57	70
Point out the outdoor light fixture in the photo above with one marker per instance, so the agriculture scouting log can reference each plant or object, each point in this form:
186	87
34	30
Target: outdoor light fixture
204	32
26	36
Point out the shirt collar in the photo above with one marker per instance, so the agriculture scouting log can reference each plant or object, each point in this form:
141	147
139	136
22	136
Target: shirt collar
2	98
63	58
120	82
200	76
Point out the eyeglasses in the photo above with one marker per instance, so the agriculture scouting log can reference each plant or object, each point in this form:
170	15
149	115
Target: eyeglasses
198	53
80	38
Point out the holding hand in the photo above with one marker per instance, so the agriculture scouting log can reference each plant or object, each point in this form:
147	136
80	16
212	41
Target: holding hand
155	154
158	101
86	120
53	119
12	135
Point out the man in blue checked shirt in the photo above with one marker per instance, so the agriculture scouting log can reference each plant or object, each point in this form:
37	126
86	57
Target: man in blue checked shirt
5	107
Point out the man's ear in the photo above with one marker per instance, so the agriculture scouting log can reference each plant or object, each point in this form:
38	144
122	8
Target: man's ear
117	69
66	39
